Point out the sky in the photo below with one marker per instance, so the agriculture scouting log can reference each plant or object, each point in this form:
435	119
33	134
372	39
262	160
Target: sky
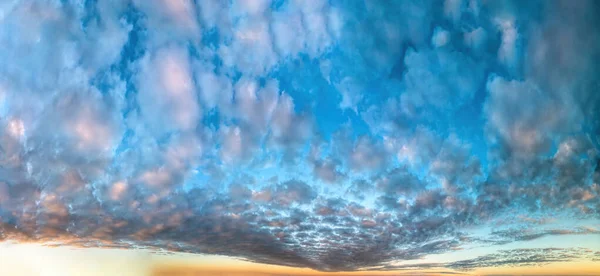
342	137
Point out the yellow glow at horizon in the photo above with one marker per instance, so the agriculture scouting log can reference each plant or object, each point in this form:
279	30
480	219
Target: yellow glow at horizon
39	260
17	259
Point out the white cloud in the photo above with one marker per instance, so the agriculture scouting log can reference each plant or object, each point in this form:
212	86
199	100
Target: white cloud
250	8
215	90
92	130
234	146
117	190
438	79
255	39
352	93
251	49
288	32
453	9
166	92
518	115
476	39
170	20
440	37
104	37
15	128
366	155
256	106
213	13
315	18
508	52
283	120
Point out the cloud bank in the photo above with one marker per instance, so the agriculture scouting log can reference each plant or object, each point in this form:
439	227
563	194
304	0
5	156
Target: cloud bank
333	135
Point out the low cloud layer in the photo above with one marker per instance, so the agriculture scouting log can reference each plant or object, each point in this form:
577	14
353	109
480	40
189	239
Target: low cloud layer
333	135
526	257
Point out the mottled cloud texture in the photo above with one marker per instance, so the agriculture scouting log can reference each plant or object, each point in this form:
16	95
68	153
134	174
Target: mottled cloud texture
335	135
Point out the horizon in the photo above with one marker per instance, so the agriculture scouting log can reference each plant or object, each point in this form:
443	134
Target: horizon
102	261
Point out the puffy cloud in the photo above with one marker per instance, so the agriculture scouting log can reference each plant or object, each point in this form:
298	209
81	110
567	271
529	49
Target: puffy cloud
440	79
400	182
166	91
362	153
327	171
440	37
215	90
510	46
526	130
294	191
457	169
251	50
169	21
301	27
233	147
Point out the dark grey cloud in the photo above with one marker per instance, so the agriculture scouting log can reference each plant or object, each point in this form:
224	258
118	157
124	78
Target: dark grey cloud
294	191
327	170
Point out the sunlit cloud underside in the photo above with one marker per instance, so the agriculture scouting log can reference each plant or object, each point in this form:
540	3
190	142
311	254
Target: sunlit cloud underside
440	136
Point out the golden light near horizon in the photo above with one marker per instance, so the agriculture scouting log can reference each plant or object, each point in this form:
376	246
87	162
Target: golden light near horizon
31	259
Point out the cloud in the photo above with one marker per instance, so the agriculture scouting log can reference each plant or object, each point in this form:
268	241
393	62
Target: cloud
338	136
507	258
169	21
524	257
327	171
166	92
294	191
398	186
511	235
437	79
526	131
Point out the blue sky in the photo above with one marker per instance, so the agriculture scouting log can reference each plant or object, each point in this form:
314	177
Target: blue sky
334	135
